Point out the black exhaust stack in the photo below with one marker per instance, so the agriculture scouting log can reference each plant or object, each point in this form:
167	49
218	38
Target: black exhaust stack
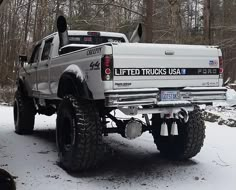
62	31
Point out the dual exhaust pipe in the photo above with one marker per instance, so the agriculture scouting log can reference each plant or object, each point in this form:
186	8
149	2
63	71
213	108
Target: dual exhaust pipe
164	129
182	116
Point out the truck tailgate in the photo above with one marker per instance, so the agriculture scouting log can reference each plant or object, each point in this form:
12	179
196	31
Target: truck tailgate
164	66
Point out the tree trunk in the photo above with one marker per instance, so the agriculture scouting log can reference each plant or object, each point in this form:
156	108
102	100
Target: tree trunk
149	21
207	21
176	23
26	27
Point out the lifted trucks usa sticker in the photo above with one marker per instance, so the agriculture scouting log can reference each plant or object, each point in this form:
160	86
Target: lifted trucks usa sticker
165	71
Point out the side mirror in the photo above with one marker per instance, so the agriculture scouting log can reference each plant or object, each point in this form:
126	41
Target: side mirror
22	60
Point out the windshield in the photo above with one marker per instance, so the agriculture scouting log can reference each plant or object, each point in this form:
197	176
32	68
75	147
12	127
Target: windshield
94	39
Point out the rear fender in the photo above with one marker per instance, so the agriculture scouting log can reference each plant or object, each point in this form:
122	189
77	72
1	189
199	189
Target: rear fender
72	82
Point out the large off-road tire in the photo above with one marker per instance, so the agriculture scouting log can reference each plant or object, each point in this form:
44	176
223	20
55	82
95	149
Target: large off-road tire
79	134
189	141
24	114
6	181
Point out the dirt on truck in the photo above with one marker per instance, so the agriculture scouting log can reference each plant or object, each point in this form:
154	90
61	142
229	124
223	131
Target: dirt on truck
84	76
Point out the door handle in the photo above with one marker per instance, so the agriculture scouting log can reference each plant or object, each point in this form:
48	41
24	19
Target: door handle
46	65
35	67
169	52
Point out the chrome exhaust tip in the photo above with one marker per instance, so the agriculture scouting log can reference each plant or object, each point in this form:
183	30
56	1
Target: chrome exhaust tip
174	129
164	130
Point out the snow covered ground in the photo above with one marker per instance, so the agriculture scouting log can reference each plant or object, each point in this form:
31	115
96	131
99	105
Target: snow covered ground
131	165
224	113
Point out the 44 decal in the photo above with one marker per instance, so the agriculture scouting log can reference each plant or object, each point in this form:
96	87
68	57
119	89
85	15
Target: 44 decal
94	65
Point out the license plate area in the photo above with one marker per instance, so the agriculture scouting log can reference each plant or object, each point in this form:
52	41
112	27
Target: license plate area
170	95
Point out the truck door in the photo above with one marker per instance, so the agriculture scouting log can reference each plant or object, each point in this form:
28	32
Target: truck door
43	69
31	68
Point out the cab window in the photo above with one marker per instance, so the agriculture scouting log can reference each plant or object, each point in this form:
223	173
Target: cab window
35	55
94	40
46	50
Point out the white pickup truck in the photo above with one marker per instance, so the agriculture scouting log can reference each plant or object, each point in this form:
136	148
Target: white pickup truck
86	76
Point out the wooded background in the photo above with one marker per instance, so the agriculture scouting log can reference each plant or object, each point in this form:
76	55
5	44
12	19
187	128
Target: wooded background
22	22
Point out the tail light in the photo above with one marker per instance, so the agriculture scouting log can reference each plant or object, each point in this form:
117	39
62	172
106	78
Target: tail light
107	68
221	69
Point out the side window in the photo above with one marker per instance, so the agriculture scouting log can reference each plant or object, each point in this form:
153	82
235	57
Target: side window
46	50
35	55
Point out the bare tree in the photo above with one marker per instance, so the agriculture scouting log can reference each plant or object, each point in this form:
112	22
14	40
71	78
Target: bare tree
148	21
175	20
207	21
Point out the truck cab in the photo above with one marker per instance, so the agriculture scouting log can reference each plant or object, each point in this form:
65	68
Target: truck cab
49	48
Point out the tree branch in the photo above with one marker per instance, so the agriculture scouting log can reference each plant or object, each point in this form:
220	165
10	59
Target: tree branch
120	6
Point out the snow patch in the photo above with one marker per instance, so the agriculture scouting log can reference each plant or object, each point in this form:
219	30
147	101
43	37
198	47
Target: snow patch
231	94
224	113
76	70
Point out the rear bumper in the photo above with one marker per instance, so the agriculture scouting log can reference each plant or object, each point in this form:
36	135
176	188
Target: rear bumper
201	95
151	96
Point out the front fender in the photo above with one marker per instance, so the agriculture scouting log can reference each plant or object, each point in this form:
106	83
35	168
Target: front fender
21	86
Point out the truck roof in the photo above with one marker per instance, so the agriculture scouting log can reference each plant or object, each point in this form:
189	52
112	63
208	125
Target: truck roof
85	33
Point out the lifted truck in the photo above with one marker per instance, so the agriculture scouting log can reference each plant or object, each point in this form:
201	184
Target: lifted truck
83	76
